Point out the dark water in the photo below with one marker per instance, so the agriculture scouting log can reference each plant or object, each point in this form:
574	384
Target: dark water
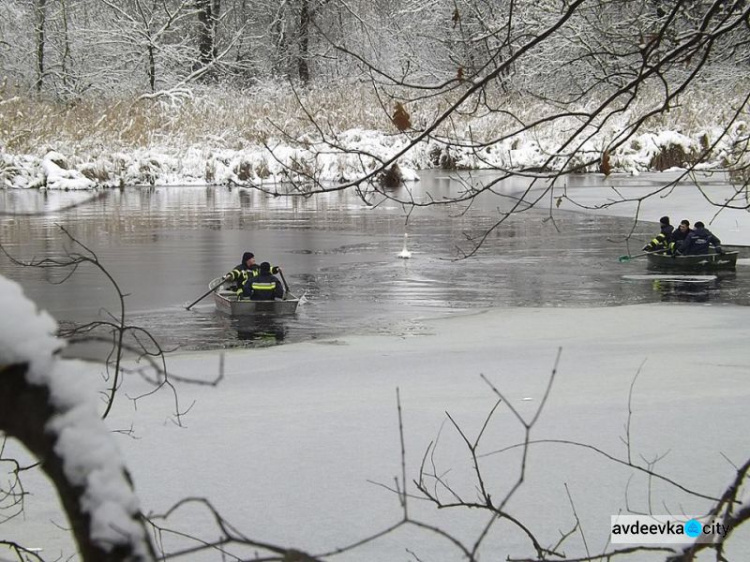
163	246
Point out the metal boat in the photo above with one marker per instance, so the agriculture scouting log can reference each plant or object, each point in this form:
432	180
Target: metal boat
228	303
712	261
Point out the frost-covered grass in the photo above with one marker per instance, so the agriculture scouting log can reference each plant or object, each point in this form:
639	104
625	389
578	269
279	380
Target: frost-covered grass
341	132
205	117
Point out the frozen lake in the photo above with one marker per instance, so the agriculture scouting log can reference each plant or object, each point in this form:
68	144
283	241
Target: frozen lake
305	429
163	246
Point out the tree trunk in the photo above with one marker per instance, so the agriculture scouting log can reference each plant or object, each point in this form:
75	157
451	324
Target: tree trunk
305	18
206	32
25	411
151	67
40	8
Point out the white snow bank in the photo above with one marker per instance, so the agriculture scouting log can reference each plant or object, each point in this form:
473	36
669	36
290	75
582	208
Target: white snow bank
351	154
58	176
304	428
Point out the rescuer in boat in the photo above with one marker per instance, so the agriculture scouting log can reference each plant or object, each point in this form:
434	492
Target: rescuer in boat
661	240
263	287
678	237
240	274
244	272
698	241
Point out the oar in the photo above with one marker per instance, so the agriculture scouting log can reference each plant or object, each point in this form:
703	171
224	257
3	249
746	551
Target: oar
188	307
286	285
623	259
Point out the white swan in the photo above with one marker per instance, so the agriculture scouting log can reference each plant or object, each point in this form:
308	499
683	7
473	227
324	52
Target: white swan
405	254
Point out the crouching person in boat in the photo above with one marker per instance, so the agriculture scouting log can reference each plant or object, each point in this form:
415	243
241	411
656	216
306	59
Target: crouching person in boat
678	237
660	241
699	240
263	287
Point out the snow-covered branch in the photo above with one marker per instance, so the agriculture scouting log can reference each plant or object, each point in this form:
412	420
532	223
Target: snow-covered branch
47	403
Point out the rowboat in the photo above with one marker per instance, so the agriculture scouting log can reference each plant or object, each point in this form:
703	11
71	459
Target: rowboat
727	260
228	303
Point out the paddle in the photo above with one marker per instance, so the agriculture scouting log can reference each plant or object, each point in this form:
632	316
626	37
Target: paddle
211	290
286	285
623	259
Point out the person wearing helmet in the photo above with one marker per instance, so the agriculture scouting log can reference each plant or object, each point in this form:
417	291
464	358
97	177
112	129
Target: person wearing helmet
661	240
263	287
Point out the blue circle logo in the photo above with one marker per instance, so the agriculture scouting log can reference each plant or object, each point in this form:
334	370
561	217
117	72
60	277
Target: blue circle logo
693	528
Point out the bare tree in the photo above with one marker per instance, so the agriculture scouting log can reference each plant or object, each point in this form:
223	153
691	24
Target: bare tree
594	74
208	15
35	410
486	494
40	24
145	36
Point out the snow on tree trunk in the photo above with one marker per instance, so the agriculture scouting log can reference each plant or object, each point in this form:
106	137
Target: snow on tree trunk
48	405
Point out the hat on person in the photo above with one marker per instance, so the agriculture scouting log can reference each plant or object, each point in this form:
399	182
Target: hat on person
664	220
246	256
265	267
699	224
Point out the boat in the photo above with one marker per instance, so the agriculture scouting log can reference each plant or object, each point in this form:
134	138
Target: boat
712	261
228	303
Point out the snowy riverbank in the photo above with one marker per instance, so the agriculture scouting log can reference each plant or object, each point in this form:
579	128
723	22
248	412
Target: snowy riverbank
356	153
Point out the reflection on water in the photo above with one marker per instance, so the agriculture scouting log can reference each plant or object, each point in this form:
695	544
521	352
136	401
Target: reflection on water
683	292
164	245
692	286
698	290
264	330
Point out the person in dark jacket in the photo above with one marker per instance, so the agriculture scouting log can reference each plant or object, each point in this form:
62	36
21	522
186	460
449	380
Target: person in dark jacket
248	262
265	286
678	236
661	240
242	272
699	240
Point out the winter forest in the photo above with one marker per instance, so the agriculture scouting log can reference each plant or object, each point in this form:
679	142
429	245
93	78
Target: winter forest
326	91
298	98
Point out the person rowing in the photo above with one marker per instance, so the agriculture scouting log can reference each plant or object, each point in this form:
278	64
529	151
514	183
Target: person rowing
244	272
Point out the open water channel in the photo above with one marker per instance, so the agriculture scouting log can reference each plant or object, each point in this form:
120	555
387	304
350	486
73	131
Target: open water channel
164	244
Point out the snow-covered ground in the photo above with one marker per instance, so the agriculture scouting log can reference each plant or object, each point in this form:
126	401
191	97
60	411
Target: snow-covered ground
288	445
352	154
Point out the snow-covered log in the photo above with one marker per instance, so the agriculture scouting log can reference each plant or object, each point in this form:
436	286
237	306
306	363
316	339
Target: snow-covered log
49	406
